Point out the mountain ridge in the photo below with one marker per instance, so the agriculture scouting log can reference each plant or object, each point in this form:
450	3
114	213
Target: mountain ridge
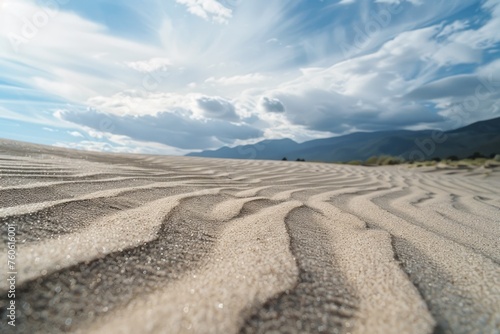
482	136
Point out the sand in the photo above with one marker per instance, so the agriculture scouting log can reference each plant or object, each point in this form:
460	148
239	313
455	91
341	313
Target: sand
115	243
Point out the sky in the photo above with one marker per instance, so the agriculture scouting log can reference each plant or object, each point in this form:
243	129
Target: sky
175	76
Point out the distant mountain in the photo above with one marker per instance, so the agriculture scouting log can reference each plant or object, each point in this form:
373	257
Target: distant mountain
482	137
265	150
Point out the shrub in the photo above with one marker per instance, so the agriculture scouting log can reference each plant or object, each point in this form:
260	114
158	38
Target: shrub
374	160
384	160
388	160
452	158
476	155
497	157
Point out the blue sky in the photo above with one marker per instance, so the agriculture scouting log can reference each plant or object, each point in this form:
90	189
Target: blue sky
173	76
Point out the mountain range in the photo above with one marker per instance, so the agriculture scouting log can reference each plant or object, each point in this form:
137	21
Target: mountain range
482	137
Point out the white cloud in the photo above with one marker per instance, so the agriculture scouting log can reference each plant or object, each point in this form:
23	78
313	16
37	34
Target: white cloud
75	134
208	9
346	2
151	65
122	144
246	79
140	102
487	35
453	28
70	57
191	105
397	2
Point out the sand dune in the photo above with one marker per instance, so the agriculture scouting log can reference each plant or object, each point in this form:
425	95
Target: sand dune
111	243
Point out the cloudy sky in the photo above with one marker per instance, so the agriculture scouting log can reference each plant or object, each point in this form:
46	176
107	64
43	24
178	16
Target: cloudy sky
172	76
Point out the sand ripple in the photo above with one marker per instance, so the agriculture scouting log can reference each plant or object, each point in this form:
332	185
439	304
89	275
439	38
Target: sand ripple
145	244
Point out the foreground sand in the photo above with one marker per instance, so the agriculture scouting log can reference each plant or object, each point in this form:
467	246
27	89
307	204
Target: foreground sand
144	244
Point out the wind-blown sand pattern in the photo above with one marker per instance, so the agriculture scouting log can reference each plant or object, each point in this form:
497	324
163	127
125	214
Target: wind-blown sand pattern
110	243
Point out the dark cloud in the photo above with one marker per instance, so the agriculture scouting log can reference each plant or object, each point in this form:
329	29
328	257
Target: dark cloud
272	105
333	112
166	127
217	107
456	86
